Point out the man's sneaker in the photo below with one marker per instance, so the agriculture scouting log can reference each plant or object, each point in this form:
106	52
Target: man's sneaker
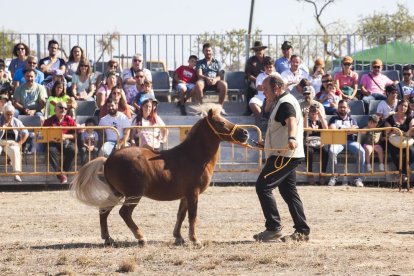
268	235
369	168
296	236
381	167
17	178
332	181
359	183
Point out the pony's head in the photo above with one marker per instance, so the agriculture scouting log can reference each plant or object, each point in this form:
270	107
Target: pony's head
224	129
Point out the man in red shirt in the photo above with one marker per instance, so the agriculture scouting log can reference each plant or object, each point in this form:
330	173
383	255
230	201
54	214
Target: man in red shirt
185	78
61	119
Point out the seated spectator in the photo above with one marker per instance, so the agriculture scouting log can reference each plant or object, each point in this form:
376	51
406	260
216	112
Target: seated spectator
316	75
210	77
119	98
21	51
294	74
19	78
58	95
314	119
145	91
372	143
283	63
256	102
347	80
128	75
3	100
147	117
105	89
51	63
327	80
406	86
120	122
112	67
61	119
89	141
57	75
5	83
185	78
11	140
403	121
30	97
134	90
343	120
83	82
75	56
297	90
308	101
387	107
411	106
329	100
373	84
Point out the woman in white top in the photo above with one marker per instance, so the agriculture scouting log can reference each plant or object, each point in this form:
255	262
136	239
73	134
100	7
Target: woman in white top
75	56
387	107
147	117
83	82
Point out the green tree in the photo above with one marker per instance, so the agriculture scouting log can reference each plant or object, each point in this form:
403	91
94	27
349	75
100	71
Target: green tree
7	42
381	28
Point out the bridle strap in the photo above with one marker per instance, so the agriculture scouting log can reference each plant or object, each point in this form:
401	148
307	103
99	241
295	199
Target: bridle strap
219	134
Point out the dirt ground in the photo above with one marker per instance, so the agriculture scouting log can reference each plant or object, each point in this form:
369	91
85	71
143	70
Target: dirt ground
355	231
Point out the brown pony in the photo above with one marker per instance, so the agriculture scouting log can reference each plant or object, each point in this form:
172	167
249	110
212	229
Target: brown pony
183	172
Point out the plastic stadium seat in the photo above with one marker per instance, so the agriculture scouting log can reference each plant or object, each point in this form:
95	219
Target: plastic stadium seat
30	121
373	104
356	107
394	75
86	108
236	83
161	84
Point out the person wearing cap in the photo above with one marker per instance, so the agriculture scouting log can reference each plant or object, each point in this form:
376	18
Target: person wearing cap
373	84
30	97
147	116
283	63
254	66
406	86
48	64
128	75
210	74
347	80
308	101
387	107
298	90
294	74
67	143
114	119
31	63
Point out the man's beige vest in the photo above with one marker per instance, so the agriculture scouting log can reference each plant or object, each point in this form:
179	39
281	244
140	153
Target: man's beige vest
277	134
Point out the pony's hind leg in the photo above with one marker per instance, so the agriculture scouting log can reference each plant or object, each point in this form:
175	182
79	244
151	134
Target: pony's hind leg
103	220
126	214
182	211
192	203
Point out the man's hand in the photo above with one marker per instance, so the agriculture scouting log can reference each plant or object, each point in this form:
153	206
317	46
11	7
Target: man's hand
292	144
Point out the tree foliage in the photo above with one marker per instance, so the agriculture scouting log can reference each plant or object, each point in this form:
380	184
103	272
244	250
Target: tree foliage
7	42
381	28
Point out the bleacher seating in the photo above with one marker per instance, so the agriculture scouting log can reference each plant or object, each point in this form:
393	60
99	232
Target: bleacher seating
161	85
86	108
356	107
236	83
30	121
373	104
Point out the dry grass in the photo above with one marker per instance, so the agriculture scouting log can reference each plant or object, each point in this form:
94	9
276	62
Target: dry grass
354	232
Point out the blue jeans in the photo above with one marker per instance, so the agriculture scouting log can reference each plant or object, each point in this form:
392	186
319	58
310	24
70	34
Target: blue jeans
354	148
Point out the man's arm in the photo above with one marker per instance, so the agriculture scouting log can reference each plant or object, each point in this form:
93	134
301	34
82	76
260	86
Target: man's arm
292	131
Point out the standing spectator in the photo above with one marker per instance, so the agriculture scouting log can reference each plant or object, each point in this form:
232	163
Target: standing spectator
403	121
58	95
406	86
317	72
347	80
185	78
105	89
128	75
21	51
48	64
119	98
120	122
19	78
256	102
147	117
372	143
113	67
294	74
210	76
12	140
387	107
373	84
343	120
83	82
254	66
89	142
283	63
30	97
66	145
75	56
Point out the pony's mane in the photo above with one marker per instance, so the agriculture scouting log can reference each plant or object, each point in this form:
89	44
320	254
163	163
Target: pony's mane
216	109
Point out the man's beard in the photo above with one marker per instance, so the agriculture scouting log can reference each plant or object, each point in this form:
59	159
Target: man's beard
112	111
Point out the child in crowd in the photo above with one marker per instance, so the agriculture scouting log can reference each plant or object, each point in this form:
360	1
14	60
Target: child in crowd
89	142
5	82
146	92
372	143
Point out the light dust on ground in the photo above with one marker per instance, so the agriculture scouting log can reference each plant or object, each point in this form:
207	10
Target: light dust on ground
355	231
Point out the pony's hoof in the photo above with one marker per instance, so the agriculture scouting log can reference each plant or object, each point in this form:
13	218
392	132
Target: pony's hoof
109	241
179	241
197	244
142	242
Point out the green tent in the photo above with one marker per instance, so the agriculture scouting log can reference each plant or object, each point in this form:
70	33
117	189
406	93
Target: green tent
392	53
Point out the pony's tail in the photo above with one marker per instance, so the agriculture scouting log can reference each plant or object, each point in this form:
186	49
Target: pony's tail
89	189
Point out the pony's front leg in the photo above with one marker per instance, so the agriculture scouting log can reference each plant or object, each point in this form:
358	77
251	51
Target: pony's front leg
192	219
182	211
103	220
126	213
